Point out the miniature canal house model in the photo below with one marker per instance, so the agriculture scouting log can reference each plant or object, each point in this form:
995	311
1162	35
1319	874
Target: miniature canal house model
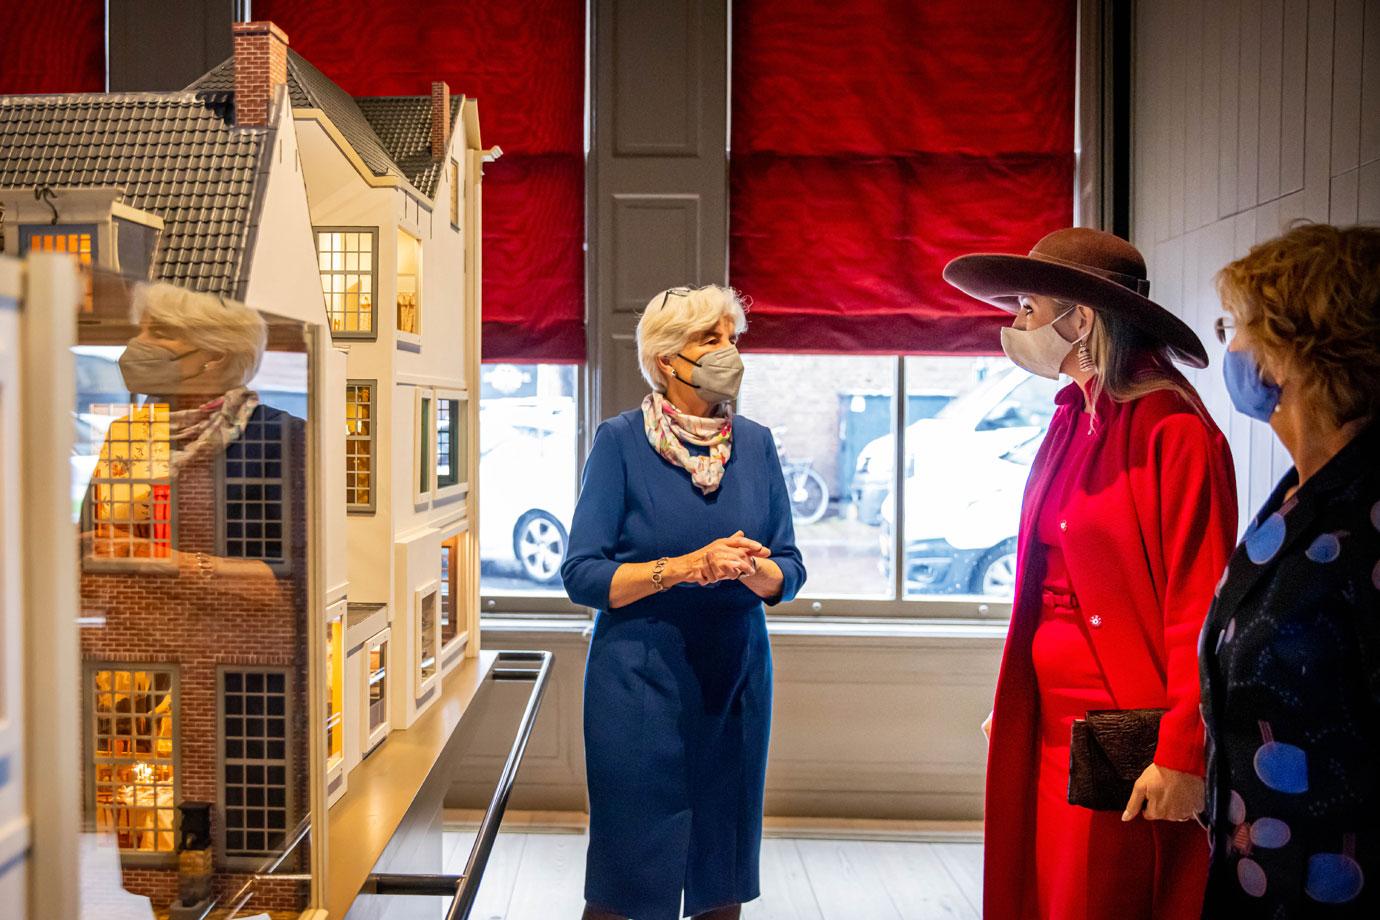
264	183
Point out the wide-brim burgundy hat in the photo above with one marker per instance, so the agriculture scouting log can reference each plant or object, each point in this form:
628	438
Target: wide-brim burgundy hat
1090	267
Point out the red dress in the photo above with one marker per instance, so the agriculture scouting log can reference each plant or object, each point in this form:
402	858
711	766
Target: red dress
1124	535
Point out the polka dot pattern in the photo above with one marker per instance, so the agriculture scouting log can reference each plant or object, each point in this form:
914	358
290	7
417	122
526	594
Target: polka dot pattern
1263	543
1327	548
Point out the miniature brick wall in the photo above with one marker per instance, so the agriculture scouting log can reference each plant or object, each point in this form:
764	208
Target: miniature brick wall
199	622
260	67
440	119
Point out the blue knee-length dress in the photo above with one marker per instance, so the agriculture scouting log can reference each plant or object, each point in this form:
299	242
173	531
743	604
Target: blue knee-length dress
678	685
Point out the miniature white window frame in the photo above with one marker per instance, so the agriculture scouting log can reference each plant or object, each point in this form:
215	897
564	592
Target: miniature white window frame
452	586
453	177
410	338
459	446
378	734
158	858
372	333
423	683
423	445
335	669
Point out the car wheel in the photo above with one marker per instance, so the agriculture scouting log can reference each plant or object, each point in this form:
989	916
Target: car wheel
996	573
539	544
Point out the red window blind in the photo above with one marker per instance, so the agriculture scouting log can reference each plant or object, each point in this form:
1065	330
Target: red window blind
54	46
876	139
524	60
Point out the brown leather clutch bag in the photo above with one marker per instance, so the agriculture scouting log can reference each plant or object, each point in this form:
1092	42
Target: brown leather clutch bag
1108	751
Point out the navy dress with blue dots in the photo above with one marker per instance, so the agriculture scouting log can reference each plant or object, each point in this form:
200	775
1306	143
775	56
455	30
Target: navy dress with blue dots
1291	696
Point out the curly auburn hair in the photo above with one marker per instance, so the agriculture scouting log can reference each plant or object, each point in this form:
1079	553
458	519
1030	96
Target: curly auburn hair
1311	301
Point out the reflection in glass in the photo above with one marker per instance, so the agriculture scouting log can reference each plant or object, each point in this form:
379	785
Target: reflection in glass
528	475
426	638
378	688
191	485
450	567
133	756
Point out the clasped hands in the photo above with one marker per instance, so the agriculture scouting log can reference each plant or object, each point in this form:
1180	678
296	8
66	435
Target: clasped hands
726	559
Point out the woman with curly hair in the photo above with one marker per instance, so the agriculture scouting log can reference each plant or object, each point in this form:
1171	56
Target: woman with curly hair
1291	649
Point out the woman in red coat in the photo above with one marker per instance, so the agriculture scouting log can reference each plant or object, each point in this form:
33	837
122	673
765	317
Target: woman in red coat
1128	520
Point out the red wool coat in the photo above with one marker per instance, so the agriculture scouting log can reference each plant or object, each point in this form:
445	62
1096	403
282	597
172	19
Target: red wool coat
1147	533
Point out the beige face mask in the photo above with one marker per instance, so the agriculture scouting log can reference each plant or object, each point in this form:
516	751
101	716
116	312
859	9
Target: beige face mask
1040	351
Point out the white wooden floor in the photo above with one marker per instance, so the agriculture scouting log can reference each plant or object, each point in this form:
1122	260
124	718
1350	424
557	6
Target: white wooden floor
540	876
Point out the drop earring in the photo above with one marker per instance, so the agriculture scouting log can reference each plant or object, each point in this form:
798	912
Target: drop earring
1085	360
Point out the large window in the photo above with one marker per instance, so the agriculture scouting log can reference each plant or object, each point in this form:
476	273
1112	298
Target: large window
359	444
348	260
969	431
528	475
255	756
132	739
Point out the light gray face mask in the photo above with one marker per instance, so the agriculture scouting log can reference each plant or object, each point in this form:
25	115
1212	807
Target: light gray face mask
1040	351
151	369
718	375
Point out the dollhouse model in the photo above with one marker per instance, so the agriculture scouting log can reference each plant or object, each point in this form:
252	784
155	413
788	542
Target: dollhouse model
264	182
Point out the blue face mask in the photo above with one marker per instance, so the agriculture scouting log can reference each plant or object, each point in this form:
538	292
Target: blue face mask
1250	392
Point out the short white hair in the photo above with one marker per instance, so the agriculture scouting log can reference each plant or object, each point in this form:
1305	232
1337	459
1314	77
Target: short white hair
675	317
208	322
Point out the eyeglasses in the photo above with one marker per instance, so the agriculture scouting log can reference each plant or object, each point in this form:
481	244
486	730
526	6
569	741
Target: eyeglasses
678	291
1225	327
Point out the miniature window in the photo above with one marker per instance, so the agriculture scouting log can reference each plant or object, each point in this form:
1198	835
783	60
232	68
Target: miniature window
428	636
253	516
409	284
425	448
349	270
254	748
450	594
335	691
454	177
79	241
359	445
376	695
132	726
129	511
450	442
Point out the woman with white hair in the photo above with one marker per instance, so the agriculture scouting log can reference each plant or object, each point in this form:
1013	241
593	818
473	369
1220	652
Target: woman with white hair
682	533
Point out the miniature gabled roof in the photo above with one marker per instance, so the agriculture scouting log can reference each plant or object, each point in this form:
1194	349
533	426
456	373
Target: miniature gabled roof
403	126
176	155
391	134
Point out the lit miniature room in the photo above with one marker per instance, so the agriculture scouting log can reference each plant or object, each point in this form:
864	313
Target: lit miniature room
632	461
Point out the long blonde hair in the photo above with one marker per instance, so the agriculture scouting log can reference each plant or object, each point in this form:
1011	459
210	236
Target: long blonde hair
1131	364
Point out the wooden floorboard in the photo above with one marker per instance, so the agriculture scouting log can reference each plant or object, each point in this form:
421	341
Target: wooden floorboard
540	876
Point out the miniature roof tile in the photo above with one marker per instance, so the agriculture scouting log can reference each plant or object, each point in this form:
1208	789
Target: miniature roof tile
177	155
391	134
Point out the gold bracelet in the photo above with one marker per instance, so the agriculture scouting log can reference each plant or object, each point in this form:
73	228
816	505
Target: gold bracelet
656	573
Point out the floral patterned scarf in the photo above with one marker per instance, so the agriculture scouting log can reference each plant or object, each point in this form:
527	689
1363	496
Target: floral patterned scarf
211	426
669	430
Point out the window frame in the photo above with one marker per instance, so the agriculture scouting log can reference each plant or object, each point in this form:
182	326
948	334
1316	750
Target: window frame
423	471
373	737
459	428
281	567
453	176
89	671
422	685
372	385
403	337
454	542
249	862
373	333
142	564
335	772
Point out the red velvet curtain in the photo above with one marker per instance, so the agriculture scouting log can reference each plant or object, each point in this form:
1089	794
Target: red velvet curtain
876	139
524	60
52	46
